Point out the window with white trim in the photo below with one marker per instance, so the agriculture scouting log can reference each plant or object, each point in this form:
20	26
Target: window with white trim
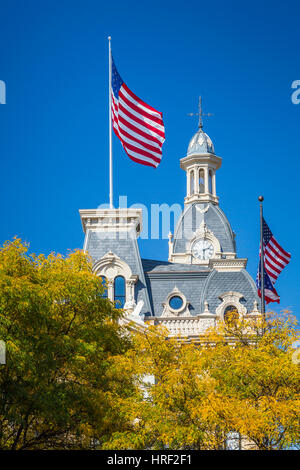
119	291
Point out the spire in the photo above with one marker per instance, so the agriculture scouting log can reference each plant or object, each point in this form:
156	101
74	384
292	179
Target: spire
200	114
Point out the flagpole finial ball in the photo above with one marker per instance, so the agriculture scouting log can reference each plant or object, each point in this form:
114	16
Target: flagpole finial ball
109	38
260	198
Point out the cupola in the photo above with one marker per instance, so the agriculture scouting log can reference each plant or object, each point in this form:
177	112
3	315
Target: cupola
200	165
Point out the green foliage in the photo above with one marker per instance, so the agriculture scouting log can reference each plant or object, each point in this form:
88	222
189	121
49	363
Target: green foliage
75	378
58	384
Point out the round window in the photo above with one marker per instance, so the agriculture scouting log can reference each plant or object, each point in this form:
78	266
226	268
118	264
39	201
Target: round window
176	302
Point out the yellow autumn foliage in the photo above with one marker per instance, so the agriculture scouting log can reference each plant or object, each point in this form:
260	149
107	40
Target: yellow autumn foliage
237	377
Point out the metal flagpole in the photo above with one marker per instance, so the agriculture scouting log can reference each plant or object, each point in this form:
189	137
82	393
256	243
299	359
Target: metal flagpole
262	260
110	131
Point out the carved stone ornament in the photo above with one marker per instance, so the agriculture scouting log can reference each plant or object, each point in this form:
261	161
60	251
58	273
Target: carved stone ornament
130	304
202	210
111	266
183	311
206	309
188	327
231	298
255	310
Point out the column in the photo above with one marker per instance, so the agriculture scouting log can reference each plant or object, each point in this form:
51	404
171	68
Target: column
110	289
196	180
206	180
129	285
188	182
214	183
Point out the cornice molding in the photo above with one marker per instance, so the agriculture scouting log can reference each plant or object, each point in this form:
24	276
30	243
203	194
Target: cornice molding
116	220
199	159
228	264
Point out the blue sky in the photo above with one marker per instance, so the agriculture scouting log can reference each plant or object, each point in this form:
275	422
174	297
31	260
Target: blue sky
242	58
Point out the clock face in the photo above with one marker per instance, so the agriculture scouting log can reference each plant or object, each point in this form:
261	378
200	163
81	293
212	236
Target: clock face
203	249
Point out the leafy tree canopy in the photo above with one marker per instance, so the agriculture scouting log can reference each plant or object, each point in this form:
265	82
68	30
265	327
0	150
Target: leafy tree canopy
75	378
239	377
59	382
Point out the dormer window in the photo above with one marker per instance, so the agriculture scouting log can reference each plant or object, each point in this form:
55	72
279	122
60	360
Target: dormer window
231	315
231	307
118	279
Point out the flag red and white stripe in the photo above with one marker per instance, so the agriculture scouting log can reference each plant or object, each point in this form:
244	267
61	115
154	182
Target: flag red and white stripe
139	126
275	257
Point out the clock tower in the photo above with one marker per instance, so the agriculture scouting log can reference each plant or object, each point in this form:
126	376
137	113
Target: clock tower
203	235
203	278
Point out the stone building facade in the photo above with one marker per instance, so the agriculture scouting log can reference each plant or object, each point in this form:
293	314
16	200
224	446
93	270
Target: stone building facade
203	278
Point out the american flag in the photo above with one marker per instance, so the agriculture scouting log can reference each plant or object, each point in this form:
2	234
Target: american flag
275	259
270	291
139	127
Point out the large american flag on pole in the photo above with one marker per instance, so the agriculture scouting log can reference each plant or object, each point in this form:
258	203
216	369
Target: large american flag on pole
139	127
275	259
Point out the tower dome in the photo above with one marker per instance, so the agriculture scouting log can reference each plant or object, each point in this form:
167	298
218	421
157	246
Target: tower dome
200	165
200	143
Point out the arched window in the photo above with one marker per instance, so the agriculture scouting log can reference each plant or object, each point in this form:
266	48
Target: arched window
231	314
104	284
201	181
119	291
192	182
210	181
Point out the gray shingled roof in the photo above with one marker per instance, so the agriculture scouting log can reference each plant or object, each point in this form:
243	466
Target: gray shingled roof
215	220
152	266
198	285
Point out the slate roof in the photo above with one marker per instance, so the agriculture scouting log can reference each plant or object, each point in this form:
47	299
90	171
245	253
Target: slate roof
162	276
157	279
197	283
215	220
155	266
200	143
221	282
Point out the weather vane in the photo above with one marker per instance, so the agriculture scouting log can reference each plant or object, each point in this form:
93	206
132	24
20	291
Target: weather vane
200	114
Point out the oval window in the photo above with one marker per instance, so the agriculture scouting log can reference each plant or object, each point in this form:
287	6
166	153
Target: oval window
176	302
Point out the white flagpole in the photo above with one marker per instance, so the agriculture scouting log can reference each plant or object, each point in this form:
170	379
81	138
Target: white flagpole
110	132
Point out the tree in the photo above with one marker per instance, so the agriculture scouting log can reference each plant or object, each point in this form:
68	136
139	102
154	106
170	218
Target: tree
75	378
59	381
239	377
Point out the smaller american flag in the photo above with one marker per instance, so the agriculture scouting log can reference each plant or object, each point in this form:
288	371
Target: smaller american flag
270	291
139	127
275	259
